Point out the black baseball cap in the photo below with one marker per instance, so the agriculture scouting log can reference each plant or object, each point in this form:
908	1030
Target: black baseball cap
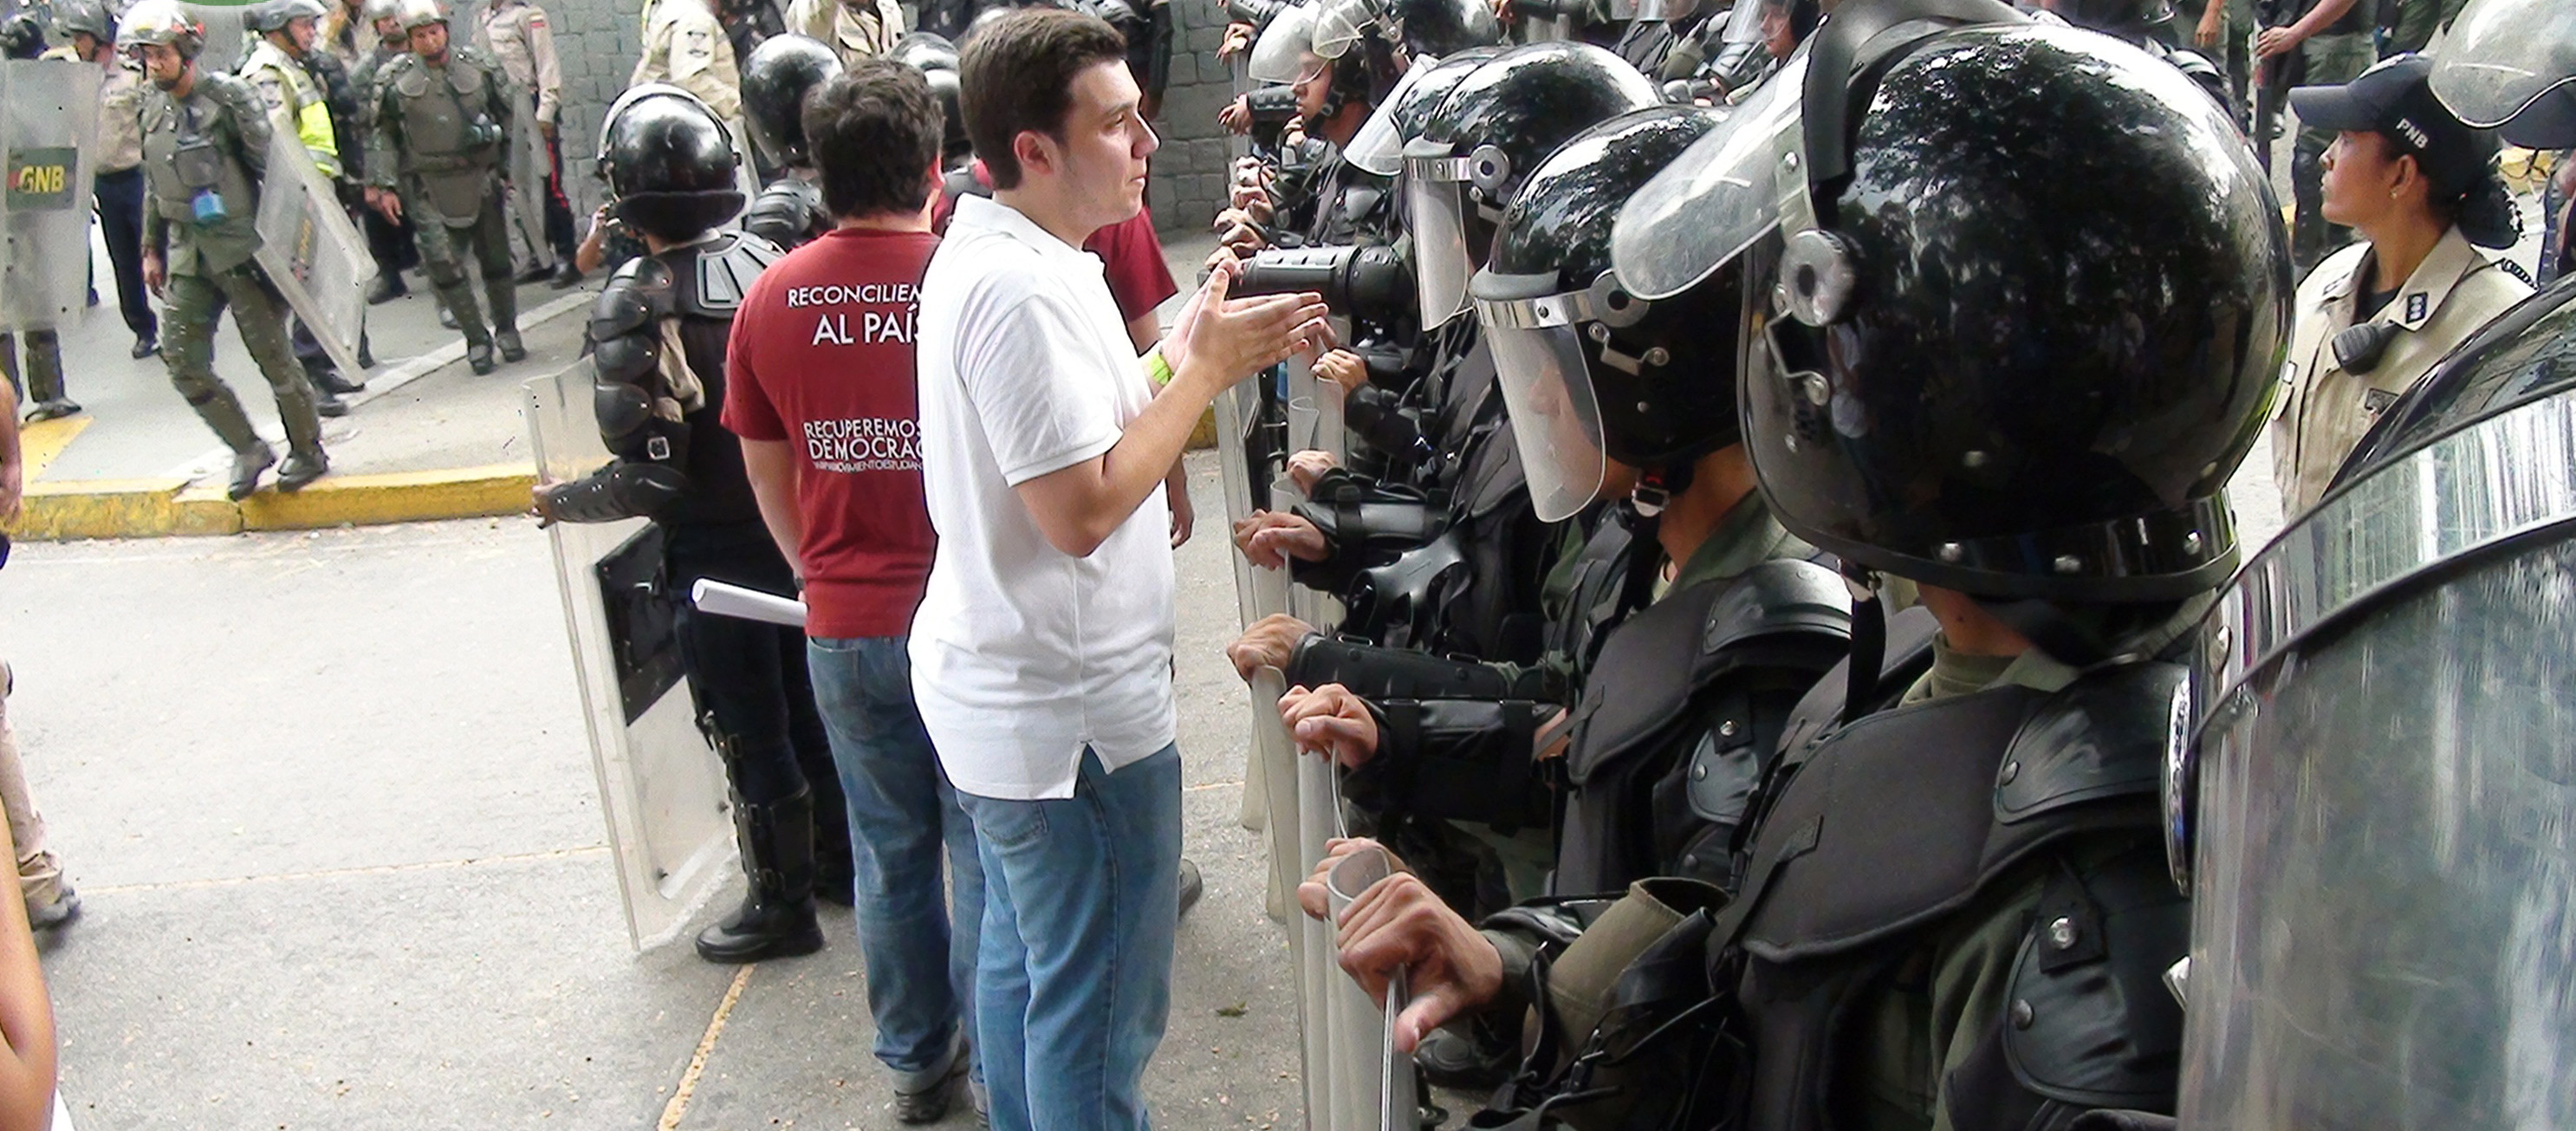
2395	100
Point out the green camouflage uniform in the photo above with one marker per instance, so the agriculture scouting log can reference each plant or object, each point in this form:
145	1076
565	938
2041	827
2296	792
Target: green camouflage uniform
210	265
418	147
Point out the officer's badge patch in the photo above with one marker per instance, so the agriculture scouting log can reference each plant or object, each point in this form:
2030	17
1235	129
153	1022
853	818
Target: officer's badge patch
2416	304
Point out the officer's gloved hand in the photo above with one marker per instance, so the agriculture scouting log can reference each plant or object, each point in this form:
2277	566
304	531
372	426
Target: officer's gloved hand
1269	643
1332	722
1399	923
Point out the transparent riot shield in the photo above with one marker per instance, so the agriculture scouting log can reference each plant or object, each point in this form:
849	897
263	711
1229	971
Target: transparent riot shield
312	252
1374	1088
529	167
661	786
48	130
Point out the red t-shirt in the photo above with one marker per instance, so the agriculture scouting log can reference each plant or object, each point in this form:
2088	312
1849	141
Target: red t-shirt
821	356
1130	253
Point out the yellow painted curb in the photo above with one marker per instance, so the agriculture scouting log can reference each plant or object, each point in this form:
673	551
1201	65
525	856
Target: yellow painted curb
119	508
168	507
404	496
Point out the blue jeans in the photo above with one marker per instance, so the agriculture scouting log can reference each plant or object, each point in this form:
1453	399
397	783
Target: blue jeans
1075	985
920	958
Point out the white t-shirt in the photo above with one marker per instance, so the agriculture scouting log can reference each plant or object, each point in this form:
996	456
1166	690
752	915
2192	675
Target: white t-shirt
1022	655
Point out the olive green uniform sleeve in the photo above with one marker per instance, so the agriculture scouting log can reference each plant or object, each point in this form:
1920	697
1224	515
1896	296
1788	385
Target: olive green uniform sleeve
384	126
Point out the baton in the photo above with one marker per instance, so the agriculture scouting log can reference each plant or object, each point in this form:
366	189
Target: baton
725	600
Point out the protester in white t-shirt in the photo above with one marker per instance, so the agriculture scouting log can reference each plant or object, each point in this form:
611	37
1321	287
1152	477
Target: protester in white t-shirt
1041	654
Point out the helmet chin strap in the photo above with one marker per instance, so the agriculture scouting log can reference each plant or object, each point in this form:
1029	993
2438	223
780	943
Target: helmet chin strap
1868	642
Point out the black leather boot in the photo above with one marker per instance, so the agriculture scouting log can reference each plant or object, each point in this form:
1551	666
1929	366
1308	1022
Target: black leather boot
776	919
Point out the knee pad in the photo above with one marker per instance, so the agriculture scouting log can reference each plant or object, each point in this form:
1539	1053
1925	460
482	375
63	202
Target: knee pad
443	273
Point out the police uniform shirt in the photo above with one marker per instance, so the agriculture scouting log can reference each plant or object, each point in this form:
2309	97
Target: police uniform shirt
685	46
2325	409
516	33
851	35
120	114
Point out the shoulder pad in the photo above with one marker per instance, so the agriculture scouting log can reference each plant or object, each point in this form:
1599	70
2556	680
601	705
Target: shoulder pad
2101	1029
231	90
1784	595
714	276
1908	656
641	292
1640	685
2102	736
786	213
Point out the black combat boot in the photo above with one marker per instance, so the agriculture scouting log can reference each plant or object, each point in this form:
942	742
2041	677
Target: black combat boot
247	464
776	919
303	465
327	378
567	278
478	356
507	338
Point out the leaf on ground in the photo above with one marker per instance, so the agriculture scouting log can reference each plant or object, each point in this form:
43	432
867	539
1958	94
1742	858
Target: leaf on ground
1238	1009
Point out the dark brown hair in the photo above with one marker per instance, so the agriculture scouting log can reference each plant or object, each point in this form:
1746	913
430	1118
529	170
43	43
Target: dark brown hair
1018	75
874	133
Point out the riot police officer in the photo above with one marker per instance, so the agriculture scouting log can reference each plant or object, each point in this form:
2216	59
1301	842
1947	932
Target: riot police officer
775	79
389	242
1445	435
1611	401
671	168
205	150
1955	912
442	133
277	68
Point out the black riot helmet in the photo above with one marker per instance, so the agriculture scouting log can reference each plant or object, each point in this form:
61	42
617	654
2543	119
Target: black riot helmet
775	81
923	50
1969	362
1443	27
1378	147
669	163
936	59
1485	138
2511	65
22	36
1587	369
84	17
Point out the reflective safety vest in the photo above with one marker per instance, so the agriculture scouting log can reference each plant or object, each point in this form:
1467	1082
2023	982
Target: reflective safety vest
294	102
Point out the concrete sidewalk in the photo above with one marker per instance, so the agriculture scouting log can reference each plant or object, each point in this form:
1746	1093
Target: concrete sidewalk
428	439
329	803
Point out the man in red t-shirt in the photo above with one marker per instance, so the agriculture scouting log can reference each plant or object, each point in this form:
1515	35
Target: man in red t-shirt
821	393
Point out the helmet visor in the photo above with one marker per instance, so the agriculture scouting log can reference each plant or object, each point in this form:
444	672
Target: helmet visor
1339	25
1378	147
1278	57
1538	359
1440	264
1744	23
2503	56
1715	199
